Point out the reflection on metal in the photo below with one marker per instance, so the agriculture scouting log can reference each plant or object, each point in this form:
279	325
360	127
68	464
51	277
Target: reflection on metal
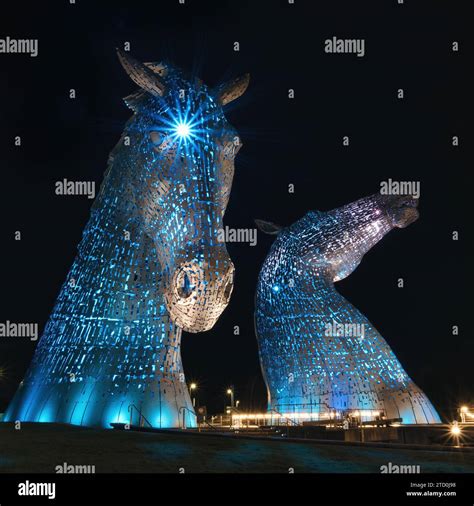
319	354
466	414
149	264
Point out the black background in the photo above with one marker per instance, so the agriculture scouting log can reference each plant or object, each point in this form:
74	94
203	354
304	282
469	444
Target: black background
236	489
286	142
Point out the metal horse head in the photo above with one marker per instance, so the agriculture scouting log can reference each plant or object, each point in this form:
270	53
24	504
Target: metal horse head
184	150
321	357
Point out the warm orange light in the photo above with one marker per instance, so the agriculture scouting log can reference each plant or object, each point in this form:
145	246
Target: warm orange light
455	430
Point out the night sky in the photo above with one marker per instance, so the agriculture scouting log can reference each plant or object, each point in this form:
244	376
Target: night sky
286	141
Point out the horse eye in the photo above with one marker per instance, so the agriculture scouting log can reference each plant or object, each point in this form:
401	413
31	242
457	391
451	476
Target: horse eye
155	138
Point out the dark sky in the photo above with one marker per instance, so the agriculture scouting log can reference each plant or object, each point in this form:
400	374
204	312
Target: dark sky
286	141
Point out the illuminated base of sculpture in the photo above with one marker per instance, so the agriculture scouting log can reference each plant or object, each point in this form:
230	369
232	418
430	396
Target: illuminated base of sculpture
409	404
87	403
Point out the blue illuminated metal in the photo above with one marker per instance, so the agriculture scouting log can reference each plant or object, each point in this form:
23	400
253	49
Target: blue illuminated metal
322	358
149	264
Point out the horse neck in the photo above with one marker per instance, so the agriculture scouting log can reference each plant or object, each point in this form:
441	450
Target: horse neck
116	274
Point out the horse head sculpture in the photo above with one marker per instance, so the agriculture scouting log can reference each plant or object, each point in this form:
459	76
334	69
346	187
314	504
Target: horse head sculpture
150	263
321	357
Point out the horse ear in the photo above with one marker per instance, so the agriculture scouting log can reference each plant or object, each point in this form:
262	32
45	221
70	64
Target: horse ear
268	227
135	101
231	90
142	75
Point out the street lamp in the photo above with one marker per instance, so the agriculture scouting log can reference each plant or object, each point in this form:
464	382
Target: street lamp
230	391
192	387
456	432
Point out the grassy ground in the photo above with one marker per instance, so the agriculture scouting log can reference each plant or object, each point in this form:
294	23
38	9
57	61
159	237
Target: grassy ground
41	447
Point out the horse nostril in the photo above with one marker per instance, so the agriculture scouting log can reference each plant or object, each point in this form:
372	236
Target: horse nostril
413	201
228	289
185	288
407	201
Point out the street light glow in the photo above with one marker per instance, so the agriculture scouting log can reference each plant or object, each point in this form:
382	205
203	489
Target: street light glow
455	430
